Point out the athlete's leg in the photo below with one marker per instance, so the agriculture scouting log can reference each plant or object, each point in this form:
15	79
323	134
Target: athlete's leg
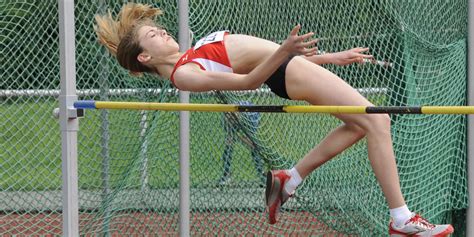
306	81
316	85
254	122
230	137
227	158
334	143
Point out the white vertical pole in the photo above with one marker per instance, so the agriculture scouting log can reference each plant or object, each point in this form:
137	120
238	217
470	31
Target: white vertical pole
184	190
470	120
68	120
144	149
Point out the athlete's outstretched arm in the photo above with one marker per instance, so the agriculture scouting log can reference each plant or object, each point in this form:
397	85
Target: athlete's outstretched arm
354	55
190	77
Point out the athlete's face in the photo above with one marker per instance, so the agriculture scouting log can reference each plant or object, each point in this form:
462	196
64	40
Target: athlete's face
156	42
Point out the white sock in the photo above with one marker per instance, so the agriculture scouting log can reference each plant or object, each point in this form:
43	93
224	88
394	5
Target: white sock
400	215
294	181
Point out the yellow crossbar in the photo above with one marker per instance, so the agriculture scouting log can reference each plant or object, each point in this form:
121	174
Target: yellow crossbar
276	108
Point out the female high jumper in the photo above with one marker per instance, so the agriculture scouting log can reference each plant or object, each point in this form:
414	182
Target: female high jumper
227	61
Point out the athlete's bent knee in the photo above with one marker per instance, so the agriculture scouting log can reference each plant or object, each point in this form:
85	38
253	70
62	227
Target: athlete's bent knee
358	131
379	122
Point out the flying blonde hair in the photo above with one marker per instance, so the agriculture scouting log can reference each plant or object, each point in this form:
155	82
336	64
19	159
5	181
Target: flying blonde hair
119	35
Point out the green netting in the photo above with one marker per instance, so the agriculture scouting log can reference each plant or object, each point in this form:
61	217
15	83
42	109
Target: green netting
128	160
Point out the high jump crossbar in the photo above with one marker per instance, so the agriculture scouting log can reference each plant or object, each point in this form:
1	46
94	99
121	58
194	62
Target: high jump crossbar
90	104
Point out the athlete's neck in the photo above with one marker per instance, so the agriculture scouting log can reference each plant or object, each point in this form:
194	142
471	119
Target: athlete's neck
166	68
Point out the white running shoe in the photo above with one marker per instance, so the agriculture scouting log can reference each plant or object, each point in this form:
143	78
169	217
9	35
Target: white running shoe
417	226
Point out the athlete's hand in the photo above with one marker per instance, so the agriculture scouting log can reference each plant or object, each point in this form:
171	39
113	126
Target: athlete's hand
300	44
355	55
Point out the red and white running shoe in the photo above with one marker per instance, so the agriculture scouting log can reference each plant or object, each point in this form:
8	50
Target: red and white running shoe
417	226
275	194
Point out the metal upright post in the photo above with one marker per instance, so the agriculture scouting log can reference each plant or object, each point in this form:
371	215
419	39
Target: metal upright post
104	89
68	119
184	190
470	120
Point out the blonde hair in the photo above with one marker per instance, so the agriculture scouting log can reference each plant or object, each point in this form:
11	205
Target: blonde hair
119	35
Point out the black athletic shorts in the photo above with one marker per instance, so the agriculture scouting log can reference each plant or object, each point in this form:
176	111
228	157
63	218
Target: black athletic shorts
276	82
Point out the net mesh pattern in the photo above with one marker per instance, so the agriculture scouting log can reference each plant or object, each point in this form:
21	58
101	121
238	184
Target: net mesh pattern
129	160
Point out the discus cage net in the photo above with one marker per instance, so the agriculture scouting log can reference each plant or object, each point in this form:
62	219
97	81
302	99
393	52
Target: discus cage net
129	160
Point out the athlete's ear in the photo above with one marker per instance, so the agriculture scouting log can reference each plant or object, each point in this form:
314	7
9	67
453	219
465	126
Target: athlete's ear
143	57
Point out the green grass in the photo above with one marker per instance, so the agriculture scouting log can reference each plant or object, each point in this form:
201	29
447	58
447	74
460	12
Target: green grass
31	158
31	146
31	152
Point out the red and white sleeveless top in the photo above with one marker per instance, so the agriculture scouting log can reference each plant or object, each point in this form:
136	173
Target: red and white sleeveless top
209	53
